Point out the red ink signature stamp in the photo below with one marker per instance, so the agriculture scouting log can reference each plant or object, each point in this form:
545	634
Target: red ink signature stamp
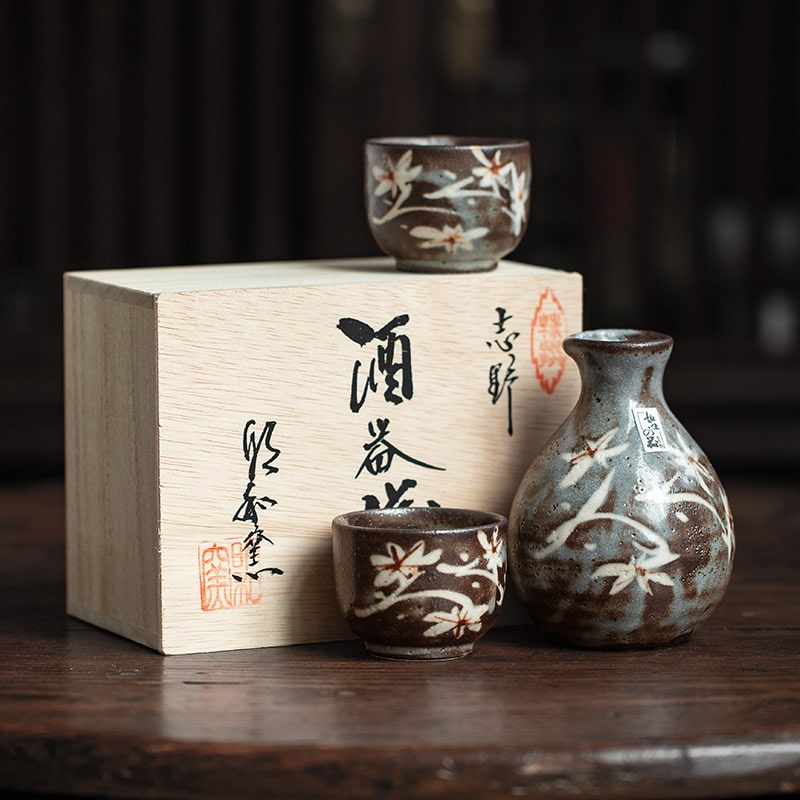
220	562
547	334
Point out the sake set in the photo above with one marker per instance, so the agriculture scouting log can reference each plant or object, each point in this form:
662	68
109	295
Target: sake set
408	450
620	534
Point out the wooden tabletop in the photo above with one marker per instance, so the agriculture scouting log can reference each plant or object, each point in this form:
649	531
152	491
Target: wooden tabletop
84	712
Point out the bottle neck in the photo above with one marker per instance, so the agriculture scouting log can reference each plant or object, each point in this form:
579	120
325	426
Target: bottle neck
622	368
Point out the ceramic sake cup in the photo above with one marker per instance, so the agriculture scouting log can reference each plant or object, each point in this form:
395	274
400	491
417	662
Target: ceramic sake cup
419	583
447	203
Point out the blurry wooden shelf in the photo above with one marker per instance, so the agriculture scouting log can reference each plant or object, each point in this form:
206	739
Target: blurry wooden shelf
742	408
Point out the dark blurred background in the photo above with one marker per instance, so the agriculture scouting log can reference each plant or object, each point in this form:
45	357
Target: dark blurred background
665	136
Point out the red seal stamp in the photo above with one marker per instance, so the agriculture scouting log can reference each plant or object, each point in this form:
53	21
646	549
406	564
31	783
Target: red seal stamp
220	587
547	334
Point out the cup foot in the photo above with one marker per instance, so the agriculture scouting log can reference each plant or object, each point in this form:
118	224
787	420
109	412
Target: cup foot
444	266
400	653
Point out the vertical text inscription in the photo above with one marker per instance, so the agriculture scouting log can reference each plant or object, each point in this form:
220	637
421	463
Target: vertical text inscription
503	374
389	371
230	569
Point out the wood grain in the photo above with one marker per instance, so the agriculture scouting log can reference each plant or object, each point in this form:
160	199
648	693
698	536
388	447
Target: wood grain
85	712
111	464
167	369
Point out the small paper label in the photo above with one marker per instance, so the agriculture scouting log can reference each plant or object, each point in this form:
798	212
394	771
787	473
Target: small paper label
648	423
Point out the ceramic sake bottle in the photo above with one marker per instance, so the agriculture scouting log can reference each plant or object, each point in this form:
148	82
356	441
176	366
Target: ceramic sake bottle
620	534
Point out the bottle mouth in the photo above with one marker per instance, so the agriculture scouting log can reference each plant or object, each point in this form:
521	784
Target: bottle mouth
620	339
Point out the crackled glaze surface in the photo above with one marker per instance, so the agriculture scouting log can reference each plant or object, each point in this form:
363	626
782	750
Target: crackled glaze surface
620	534
447	204
419	583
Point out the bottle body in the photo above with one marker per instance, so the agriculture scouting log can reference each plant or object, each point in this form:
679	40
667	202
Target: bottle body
620	533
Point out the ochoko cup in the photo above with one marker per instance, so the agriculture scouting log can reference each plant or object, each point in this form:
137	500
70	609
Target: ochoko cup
419	583
447	203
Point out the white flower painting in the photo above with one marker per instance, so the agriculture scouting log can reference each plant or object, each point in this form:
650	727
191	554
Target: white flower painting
400	566
398	569
395	180
450	239
518	191
492	173
652	553
598	451
491	177
458	620
642	567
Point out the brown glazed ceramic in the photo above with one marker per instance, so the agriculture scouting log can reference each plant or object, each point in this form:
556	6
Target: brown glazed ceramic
419	583
620	534
447	203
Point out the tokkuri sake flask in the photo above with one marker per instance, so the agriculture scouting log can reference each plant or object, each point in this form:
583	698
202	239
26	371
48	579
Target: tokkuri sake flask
620	533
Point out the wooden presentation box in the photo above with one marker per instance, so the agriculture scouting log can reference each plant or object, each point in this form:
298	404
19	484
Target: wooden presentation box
219	417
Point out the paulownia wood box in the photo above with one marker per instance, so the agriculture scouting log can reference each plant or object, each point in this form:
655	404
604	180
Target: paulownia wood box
218	418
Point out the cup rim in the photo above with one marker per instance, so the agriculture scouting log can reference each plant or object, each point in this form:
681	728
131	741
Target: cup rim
448	142
399	521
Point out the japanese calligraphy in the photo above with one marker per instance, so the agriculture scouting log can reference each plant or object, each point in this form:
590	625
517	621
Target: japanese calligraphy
261	456
502	374
381	452
392	361
394	496
388	375
648	423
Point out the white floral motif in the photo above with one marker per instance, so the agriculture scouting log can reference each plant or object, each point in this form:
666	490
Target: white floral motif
664	495
458	620
399	569
451	239
641	568
593	451
586	513
494	179
644	566
493	174
519	201
696	468
396	179
494	554
493	549
400	566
